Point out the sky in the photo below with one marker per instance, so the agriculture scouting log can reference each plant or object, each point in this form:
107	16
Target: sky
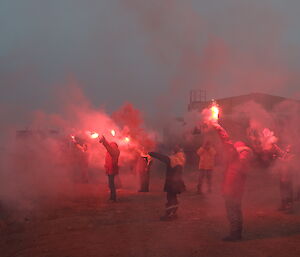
150	53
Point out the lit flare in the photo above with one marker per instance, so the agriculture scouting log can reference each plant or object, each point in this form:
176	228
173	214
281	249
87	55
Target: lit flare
94	135
113	132
215	111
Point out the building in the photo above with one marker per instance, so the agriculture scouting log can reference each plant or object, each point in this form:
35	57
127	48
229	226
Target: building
198	101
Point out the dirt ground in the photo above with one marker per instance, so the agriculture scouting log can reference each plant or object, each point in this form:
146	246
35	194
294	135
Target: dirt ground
88	225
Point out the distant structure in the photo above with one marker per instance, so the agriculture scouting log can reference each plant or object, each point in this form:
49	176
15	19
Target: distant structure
228	104
197	99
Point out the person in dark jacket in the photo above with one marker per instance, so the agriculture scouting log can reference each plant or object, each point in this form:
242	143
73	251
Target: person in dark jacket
111	165
81	159
143	172
285	165
174	184
238	157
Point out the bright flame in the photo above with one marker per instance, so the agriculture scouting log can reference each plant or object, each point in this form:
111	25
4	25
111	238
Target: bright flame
94	135
214	111
73	137
113	132
127	139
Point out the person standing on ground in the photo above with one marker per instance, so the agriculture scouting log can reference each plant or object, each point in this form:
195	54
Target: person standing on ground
285	166
111	165
206	155
143	172
174	184
238	157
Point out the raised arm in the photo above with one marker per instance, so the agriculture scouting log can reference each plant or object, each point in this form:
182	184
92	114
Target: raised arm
223	135
163	158
108	147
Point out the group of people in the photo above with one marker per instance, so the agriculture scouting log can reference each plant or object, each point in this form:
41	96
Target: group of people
238	158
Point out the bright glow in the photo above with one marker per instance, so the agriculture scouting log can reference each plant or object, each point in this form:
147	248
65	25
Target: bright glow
127	139
94	135
113	132
214	112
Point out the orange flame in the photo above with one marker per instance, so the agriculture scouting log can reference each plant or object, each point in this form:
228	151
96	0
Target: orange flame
113	132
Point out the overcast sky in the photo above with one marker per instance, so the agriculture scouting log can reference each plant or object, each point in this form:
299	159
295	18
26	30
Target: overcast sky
150	53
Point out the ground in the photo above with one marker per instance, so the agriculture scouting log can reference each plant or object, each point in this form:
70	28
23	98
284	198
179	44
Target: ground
88	225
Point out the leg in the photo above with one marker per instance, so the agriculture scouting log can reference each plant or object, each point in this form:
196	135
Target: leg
171	207
289	197
235	218
209	177
140	181
111	183
200	181
283	194
146	181
297	198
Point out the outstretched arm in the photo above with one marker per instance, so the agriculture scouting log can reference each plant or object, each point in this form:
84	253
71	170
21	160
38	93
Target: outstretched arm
163	158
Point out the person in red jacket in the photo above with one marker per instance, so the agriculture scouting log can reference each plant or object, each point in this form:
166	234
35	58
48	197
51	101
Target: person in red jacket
111	165
238	164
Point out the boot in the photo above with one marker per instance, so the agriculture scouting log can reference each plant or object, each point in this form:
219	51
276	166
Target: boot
282	206
170	214
113	196
289	208
233	237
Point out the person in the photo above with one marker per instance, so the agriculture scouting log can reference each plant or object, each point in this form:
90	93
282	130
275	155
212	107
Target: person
206	155
81	158
111	165
143	171
285	158
238	157
297	196
174	184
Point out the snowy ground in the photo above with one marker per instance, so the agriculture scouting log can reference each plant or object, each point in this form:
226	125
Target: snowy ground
87	225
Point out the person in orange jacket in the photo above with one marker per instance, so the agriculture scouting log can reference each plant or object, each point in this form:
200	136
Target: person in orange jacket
206	155
111	165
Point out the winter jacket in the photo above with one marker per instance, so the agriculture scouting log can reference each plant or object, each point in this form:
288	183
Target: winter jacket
173	182
238	163
207	158
112	158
